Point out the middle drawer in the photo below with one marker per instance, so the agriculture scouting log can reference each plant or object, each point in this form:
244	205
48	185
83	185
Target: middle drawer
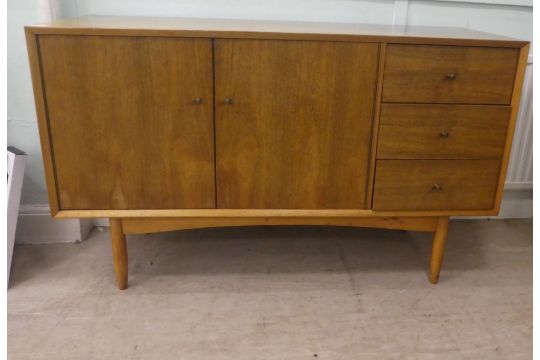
417	131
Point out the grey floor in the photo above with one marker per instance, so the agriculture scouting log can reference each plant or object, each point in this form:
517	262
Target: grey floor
277	293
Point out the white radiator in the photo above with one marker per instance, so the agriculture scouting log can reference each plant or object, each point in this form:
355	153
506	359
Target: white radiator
520	169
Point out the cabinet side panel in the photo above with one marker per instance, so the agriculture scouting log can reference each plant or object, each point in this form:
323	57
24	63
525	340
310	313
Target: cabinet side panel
43	125
375	127
516	99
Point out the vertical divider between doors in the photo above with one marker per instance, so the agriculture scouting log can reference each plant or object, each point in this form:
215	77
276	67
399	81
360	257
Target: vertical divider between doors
214	119
375	126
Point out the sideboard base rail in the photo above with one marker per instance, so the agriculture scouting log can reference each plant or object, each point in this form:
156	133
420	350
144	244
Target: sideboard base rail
120	227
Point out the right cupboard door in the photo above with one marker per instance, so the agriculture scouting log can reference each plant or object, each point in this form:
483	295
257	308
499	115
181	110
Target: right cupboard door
293	123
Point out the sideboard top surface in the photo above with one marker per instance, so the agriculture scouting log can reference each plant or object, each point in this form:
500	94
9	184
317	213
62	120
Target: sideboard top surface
265	29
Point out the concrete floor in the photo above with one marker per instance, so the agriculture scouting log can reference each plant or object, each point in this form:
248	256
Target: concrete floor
277	293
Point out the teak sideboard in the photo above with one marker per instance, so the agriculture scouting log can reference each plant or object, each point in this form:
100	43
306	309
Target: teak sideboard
165	124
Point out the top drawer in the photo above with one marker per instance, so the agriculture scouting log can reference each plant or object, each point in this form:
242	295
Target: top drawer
449	74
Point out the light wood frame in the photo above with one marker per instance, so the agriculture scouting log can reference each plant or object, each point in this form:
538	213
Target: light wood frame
154	220
120	227
32	34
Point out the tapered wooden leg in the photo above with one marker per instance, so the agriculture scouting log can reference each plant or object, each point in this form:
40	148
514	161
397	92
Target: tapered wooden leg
119	252
437	251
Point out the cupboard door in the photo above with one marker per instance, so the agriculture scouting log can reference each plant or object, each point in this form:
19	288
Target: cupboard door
293	123
131	121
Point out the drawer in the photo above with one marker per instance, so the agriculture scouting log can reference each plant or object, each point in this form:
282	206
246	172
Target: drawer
408	131
449	74
435	184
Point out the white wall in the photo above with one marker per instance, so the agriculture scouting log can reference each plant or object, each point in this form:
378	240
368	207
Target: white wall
506	17
21	116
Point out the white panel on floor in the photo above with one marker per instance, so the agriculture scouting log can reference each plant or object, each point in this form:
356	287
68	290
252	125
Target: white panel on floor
16	160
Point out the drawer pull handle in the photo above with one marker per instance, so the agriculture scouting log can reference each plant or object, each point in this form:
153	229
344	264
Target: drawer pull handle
451	76
227	101
444	134
436	187
197	100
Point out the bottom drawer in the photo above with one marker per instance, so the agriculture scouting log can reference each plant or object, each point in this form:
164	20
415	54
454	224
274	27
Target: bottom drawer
435	184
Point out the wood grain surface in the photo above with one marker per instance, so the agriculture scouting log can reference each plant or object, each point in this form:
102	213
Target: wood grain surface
423	74
125	130
43	125
151	225
410	184
515	108
430	131
297	133
272	29
73	44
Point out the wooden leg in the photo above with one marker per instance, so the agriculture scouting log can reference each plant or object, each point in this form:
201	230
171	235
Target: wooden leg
119	251
437	251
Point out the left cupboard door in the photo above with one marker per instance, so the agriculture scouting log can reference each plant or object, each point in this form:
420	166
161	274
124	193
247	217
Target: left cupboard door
130	121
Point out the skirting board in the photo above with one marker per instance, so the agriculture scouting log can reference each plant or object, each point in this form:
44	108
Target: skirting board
516	204
35	225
